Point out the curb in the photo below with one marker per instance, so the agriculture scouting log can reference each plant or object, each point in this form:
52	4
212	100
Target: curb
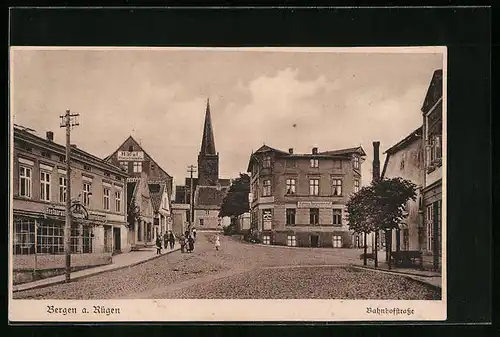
96	273
414	277
396	271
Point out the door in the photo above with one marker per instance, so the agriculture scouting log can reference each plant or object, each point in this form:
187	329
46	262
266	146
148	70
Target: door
117	239
314	240
108	239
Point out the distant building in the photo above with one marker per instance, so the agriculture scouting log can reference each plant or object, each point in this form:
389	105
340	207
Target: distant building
406	160
208	190
98	194
299	199
432	112
139	165
180	218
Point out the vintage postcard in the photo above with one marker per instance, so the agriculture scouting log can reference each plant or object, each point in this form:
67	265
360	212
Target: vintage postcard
227	184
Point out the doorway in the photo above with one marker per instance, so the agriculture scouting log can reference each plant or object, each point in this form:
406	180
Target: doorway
117	240
314	240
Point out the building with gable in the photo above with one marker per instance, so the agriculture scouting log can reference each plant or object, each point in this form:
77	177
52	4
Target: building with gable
140	213
299	199
209	190
143	171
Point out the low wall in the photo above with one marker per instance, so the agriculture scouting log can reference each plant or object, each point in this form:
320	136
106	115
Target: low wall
43	262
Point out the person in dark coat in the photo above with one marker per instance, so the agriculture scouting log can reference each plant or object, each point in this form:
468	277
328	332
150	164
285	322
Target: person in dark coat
165	240
191	243
171	240
183	243
158	245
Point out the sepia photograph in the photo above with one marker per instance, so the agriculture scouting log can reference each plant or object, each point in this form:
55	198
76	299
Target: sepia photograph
198	184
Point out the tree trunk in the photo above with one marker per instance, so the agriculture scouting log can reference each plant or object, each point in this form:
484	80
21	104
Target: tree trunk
389	248
375	246
365	249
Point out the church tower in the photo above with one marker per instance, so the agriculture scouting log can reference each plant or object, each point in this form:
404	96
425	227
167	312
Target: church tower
208	158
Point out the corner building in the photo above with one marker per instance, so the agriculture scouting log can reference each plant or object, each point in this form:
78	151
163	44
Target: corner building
299	199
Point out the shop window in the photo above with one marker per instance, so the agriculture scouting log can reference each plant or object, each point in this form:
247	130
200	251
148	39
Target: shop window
291	241
290	216
266	239
24	236
25	181
337	217
50	238
337	241
314	216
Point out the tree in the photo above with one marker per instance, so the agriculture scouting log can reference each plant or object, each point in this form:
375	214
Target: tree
236	200
380	206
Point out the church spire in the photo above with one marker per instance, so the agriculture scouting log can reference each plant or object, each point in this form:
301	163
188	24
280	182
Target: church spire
208	142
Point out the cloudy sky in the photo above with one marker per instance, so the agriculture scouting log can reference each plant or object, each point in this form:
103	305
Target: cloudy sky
329	100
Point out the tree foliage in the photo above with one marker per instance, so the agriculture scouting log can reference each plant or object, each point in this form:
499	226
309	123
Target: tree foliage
381	205
236	200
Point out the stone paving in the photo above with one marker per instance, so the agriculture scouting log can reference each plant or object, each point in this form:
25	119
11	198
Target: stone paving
241	270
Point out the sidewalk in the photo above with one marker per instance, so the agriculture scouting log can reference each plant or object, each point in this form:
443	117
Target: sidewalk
119	261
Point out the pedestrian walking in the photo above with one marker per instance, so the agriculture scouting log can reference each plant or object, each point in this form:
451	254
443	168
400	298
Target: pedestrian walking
194	233
165	240
217	242
183	243
158	245
172	241
191	243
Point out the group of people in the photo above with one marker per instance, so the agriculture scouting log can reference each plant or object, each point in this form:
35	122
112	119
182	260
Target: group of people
187	241
168	240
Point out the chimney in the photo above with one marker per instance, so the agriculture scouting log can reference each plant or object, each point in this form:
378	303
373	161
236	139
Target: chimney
50	136
290	150
376	161
315	150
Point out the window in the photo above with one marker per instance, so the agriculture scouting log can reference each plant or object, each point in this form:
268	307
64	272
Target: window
290	186
267	162
314	216
429	219
266	239
406	239
434	152
118	201
50	238
267	219
356	162
153	167
44	186
337	187
62	158
337	241
314	163
402	163
337	217
290	216
207	212
106	198
313	186
62	189
290	163
291	241
137	166
45	154
87	168
131	148
201	222
266	188
356	186
124	165
24	236
25	182
86	194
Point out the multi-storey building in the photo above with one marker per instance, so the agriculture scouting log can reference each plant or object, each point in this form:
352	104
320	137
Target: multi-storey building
144	174
39	198
432	111
299	199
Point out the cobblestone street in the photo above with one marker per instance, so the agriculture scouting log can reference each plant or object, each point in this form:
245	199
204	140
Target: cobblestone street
241	270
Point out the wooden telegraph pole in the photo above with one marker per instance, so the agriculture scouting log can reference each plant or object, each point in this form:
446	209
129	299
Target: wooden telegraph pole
68	121
191	170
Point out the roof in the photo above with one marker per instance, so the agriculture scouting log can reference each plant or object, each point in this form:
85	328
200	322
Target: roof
412	137
327	154
434	92
156	194
21	134
132	138
210	195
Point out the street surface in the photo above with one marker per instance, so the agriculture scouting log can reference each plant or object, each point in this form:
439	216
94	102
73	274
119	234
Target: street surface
242	271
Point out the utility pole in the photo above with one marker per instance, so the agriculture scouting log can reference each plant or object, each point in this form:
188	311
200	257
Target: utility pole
68	120
191	170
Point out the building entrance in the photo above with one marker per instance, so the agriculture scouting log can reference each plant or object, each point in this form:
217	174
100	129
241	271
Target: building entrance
117	240
314	240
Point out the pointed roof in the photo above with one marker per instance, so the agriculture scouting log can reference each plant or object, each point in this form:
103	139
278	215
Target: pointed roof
208	142
434	92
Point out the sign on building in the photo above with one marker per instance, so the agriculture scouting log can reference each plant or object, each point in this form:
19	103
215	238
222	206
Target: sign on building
314	204
267	218
130	155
